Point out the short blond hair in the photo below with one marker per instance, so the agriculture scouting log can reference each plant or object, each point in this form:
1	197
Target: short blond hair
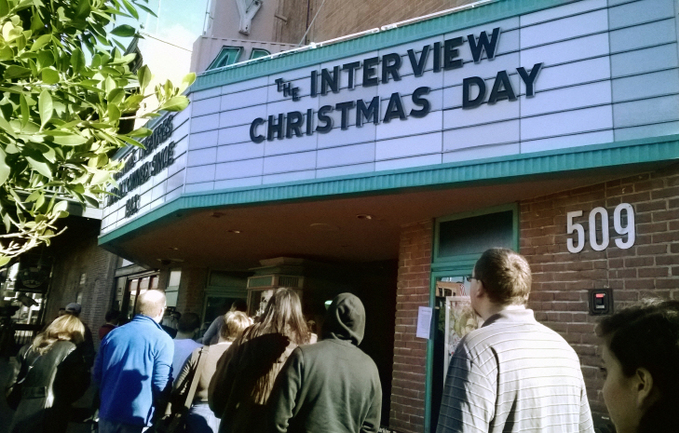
235	322
64	328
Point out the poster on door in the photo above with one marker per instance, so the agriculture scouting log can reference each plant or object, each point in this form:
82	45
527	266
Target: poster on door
460	320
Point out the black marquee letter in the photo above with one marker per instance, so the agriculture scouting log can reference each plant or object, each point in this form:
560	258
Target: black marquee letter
466	92
253	130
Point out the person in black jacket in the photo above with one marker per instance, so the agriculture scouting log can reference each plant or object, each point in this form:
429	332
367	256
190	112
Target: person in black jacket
330	386
56	375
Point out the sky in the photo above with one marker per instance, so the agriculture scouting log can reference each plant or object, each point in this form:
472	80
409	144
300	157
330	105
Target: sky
168	39
179	21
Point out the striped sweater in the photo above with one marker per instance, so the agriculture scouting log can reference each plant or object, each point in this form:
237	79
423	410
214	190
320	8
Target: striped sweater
514	375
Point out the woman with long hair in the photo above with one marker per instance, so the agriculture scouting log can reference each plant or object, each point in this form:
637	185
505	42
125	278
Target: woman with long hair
54	375
640	358
246	372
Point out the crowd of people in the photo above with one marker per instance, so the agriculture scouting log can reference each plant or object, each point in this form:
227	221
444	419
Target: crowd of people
270	374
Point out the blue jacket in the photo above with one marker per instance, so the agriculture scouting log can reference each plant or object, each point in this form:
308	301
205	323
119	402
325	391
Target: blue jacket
132	371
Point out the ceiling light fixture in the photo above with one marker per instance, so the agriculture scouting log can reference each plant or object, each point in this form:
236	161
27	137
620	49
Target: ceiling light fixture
364	216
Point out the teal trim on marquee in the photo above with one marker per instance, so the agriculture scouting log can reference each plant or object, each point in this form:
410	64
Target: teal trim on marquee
463	19
490	170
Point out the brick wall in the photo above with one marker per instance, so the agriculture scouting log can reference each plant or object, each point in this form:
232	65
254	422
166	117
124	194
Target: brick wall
342	17
192	290
76	253
410	353
561	279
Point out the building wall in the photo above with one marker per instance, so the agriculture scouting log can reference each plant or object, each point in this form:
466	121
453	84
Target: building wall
410	353
559	296
192	290
75	253
561	279
343	17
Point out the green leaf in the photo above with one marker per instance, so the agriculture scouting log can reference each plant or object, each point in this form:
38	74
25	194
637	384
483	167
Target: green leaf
178	103
60	206
25	113
4	259
33	196
45	59
83	9
70	140
113	113
4	167
6	52
4	124
77	60
45	107
124	31
41	42
131	9
109	84
39	166
189	79
116	96
13	72
50	75
100	177
140	132
144	76
131	141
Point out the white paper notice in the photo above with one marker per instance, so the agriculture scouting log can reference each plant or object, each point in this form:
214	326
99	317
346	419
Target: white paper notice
423	322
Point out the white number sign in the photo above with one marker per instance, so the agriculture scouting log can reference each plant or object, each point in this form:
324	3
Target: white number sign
599	237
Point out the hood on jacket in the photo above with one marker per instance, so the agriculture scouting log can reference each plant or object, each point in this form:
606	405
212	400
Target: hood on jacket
345	319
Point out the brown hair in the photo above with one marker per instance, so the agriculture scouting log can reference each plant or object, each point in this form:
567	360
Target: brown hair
283	315
505	275
64	328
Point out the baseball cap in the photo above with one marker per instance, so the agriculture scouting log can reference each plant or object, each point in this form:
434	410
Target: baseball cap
73	307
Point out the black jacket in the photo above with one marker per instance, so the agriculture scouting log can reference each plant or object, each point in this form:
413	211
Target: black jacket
56	379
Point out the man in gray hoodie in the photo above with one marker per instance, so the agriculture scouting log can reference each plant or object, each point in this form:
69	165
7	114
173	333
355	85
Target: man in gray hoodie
330	386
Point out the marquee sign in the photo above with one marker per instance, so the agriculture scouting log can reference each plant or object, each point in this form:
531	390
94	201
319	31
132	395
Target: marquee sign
379	70
138	176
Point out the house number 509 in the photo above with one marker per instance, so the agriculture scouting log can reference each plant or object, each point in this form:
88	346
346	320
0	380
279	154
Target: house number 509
598	223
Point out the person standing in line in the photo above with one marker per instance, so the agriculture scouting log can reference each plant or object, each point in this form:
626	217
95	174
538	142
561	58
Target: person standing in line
240	387
88	342
55	375
640	354
112	319
187	326
201	419
132	369
512	374
212	333
331	386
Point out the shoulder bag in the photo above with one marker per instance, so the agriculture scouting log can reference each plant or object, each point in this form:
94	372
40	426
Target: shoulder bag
175	421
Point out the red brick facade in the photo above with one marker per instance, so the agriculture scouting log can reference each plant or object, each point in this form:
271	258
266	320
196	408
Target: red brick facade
410	353
560	279
77	255
343	17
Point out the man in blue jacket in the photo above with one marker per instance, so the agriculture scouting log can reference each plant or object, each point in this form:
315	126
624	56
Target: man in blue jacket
133	367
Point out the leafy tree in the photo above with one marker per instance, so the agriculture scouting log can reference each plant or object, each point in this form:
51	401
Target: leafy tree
66	87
